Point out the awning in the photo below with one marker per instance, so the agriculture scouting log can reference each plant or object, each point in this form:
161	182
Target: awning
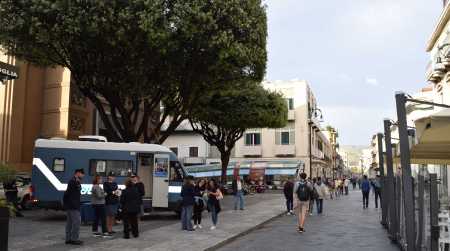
433	139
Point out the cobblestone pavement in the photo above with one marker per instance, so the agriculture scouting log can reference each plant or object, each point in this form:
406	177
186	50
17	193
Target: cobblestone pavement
343	226
44	230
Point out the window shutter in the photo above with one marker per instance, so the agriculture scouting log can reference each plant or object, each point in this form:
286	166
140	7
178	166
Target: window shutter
291	138
277	138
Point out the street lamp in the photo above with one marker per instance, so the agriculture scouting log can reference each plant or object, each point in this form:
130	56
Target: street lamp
313	112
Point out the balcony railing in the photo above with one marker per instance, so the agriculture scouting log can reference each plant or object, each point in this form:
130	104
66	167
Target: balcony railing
285	150
251	150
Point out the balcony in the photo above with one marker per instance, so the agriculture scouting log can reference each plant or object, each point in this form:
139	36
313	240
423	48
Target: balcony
251	150
193	160
291	115
285	150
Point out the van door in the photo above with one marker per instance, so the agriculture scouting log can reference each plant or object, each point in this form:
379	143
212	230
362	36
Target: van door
161	181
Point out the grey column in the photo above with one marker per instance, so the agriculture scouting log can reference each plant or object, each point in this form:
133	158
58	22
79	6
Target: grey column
382	178
390	191
407	181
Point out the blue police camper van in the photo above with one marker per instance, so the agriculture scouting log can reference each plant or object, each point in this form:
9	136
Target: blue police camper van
55	161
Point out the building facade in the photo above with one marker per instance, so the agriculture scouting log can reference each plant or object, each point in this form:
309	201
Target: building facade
43	103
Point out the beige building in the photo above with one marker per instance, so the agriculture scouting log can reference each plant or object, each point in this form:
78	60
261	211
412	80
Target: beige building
302	135
41	103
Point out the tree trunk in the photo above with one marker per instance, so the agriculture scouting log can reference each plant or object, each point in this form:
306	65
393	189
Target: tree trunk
225	158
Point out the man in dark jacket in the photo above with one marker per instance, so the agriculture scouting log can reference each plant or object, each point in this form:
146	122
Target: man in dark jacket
141	188
130	203
365	188
11	191
71	200
288	194
187	194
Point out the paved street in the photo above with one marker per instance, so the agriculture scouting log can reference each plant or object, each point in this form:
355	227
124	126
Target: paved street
44	230
344	226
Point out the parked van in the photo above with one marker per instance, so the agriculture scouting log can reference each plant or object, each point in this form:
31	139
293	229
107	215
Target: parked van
55	161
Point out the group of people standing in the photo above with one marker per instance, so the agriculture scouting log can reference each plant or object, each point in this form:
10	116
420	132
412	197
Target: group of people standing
375	186
205	195
106	199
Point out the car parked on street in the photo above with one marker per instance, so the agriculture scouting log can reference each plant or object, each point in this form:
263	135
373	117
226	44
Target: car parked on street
24	188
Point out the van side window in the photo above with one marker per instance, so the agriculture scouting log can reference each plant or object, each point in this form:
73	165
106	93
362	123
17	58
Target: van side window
103	167
58	165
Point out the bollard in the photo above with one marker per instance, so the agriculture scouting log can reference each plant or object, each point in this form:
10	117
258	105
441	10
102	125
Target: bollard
4	226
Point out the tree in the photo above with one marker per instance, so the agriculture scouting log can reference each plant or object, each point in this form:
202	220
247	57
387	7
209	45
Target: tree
129	57
223	116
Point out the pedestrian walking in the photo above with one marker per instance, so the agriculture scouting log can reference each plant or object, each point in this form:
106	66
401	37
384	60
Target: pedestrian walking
354	182
131	207
303	190
331	189
111	201
288	190
214	197
365	188
376	184
71	203
322	193
11	191
312	197
187	203
238	192
200	203
98	204
346	184
141	188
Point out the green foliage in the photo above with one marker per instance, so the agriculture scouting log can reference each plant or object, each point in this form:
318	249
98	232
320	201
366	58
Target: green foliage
7	172
135	55
223	116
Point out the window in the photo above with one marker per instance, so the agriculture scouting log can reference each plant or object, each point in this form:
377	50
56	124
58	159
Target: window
290	103
118	167
285	137
193	151
176	172
252	139
174	150
58	165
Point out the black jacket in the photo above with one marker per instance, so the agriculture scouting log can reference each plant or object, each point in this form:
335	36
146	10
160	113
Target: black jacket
72	195
109	188
288	189
141	190
10	186
131	200
188	193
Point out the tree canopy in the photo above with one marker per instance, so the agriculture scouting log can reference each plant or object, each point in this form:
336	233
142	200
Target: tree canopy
224	115
130	57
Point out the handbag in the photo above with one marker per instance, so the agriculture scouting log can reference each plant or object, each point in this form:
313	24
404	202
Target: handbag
220	196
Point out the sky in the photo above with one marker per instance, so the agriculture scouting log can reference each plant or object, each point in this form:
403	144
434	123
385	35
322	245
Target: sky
355	54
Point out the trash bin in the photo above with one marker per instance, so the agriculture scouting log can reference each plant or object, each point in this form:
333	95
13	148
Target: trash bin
4	227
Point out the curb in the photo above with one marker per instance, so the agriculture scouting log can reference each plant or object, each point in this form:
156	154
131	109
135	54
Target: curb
238	235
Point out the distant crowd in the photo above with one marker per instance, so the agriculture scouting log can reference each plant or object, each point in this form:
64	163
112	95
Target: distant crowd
301	194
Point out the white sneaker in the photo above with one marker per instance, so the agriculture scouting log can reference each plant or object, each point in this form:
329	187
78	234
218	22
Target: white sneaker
195	226
213	227
288	213
199	226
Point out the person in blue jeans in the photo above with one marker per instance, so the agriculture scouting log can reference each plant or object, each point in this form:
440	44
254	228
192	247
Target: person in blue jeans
365	188
238	193
188	201
213	201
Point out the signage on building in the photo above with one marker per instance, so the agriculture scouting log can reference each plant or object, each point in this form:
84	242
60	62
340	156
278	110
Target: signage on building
8	72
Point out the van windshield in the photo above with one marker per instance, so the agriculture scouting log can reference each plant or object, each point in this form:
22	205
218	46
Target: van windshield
176	171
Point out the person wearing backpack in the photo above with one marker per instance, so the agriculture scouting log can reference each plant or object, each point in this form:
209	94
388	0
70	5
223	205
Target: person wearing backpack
302	196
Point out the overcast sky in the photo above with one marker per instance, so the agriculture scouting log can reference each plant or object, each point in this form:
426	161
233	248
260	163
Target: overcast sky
354	53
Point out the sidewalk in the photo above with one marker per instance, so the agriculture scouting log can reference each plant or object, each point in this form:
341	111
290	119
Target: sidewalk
343	226
231	224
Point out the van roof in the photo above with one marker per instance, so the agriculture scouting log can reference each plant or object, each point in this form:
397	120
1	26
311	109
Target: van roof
72	144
